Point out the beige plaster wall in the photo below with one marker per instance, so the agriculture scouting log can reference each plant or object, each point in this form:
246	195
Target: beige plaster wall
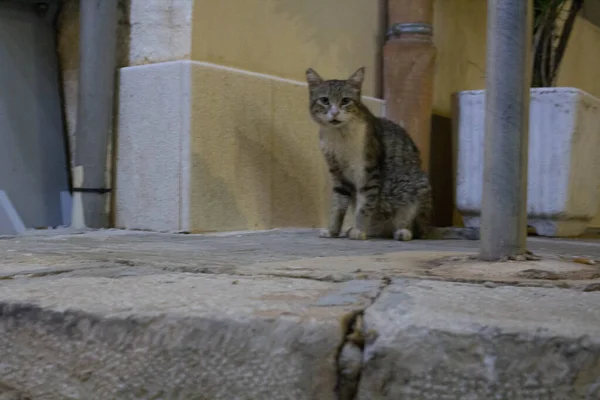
284	37
460	38
582	58
580	67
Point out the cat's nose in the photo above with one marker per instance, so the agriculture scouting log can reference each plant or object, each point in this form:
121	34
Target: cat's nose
334	111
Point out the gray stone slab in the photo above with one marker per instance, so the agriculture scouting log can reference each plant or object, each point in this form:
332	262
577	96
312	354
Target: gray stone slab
443	340
174	336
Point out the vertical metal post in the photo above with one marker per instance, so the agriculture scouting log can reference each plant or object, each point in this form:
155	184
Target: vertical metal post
504	208
97	68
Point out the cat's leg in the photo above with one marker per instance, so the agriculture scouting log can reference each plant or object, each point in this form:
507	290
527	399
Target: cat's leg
403	221
367	198
339	205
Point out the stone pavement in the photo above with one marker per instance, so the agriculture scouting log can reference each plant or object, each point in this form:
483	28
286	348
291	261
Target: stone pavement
284	314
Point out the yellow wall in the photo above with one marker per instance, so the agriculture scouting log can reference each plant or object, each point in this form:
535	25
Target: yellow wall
459	29
460	34
284	37
580	66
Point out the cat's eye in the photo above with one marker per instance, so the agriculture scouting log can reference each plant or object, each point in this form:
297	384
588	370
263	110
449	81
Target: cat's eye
324	100
345	101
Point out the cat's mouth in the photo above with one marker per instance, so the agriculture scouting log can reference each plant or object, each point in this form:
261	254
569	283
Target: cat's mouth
335	122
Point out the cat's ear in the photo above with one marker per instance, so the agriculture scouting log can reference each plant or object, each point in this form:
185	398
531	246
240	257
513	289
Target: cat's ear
313	78
356	79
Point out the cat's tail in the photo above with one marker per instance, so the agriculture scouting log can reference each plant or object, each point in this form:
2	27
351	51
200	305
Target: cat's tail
423	229
451	233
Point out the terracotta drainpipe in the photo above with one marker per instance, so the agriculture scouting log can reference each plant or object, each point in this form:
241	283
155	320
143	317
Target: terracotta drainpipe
408	69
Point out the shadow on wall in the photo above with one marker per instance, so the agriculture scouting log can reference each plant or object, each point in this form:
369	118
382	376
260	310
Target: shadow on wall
299	180
68	29
330	20
68	52
252	170
256	162
220	210
230	185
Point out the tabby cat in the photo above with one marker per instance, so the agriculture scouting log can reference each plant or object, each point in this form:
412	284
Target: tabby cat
375	167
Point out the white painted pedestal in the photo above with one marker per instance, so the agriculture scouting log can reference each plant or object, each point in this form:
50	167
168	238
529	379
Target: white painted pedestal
564	159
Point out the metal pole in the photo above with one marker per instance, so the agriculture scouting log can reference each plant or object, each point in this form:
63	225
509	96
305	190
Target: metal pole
504	208
97	66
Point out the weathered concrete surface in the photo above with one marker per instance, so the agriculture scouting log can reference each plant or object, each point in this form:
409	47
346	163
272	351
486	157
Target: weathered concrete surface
173	336
133	315
441	340
286	253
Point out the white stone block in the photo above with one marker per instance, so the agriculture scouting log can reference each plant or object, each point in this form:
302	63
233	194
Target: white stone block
152	128
563	167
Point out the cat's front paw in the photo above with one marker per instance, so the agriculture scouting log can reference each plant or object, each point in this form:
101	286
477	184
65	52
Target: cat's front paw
356	234
403	235
326	233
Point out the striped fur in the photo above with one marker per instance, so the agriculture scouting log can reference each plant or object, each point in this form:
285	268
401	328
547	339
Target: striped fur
374	165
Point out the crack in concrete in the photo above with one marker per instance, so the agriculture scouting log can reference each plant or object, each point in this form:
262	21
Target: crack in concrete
350	352
36	274
349	356
41	273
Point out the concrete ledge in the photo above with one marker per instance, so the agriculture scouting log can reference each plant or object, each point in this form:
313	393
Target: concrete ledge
74	355
202	147
459	341
227	336
174	336
270	315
